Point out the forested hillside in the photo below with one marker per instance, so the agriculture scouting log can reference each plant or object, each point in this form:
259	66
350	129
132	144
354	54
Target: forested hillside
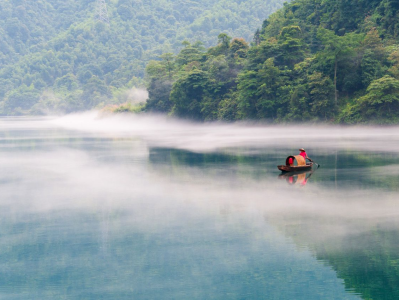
55	56
313	60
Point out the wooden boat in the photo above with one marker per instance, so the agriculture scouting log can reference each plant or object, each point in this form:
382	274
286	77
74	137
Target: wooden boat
296	169
298	164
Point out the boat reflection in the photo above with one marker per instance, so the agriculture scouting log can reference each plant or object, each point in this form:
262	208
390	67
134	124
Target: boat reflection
297	178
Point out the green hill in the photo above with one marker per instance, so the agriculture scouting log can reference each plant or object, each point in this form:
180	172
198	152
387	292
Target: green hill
54	55
313	60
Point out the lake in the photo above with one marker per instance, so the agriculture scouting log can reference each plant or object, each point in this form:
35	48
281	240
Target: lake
146	207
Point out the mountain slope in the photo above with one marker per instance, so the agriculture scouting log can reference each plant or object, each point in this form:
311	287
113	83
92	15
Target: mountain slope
56	53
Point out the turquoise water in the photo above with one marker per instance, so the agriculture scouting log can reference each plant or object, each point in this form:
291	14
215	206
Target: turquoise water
161	213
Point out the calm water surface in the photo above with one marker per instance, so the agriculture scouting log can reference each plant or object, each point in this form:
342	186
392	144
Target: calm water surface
149	208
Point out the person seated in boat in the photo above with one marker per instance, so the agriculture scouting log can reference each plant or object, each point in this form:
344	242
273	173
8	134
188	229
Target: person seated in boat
304	155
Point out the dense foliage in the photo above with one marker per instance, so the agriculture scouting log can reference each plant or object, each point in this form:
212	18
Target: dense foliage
313	60
55	56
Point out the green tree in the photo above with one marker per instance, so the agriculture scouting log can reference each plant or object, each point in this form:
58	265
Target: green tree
189	54
394	60
381	103
292	46
188	93
95	92
159	96
260	92
222	47
321	92
19	101
238	48
68	82
337	48
168	60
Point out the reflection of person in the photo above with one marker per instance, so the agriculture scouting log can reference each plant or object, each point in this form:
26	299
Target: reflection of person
304	182
301	179
293	178
304	155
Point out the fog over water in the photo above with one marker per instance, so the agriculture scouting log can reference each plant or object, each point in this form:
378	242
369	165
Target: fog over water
115	207
168	132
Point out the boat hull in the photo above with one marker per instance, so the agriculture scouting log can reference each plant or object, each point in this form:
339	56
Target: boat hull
286	169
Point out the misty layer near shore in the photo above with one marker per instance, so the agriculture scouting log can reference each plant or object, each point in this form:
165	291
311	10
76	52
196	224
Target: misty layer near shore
162	131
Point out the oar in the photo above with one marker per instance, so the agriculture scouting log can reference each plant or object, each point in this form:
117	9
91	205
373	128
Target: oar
318	166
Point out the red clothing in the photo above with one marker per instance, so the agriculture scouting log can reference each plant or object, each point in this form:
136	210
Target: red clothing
304	182
303	154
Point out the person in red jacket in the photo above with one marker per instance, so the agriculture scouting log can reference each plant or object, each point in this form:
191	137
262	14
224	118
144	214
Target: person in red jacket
304	155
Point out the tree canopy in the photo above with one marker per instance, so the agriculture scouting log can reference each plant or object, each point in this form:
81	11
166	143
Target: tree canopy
59	46
312	60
